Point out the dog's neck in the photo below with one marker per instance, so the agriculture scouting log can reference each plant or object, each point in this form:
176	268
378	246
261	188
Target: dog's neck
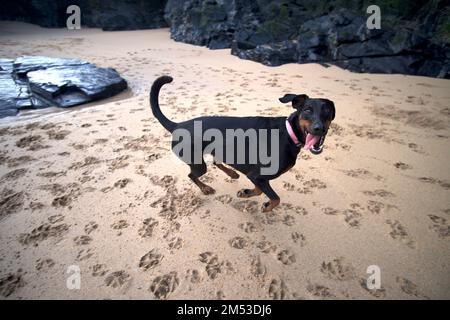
295	124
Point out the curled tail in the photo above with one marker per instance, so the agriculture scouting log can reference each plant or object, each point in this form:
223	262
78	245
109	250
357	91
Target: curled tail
154	102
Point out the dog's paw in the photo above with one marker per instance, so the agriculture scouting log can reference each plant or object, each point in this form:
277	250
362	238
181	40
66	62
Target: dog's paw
207	190
244	193
269	205
266	207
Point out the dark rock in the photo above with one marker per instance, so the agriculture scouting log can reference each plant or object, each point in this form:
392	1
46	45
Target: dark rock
367	49
390	64
25	64
414	39
123	14
209	23
13	95
39	82
109	15
272	55
44	13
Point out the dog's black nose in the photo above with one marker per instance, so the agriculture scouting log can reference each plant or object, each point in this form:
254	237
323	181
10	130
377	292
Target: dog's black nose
317	128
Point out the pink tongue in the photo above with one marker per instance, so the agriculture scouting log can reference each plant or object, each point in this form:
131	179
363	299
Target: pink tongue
310	141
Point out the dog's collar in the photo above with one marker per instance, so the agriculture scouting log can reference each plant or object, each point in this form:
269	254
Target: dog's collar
292	134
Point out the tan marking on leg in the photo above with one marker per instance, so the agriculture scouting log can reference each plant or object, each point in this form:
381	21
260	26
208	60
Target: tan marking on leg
230	172
247	193
268	206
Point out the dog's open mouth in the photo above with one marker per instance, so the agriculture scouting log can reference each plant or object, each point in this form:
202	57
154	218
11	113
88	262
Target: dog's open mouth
314	143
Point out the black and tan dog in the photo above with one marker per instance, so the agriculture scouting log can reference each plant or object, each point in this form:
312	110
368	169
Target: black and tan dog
305	128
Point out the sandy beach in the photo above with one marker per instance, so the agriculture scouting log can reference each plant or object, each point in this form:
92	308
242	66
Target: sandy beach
97	186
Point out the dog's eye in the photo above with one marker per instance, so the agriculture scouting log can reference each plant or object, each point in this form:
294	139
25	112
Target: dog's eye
307	113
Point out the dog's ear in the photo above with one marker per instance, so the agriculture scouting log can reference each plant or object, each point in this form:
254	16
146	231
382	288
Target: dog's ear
287	98
298	100
333	109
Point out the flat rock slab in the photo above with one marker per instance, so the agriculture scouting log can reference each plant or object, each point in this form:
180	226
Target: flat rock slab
32	82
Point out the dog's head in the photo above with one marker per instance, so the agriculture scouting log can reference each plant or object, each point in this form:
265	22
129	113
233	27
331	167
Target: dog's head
314	117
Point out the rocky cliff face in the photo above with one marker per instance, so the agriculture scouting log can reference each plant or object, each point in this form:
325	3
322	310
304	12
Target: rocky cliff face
413	39
414	36
109	15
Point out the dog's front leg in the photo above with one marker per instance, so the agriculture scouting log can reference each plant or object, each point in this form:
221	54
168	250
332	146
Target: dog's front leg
265	187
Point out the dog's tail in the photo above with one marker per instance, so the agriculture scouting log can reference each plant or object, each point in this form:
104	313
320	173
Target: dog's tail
154	102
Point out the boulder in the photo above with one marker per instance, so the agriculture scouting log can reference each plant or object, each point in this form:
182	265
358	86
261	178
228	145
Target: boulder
31	82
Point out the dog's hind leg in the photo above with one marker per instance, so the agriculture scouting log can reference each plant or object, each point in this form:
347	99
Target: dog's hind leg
230	172
197	170
247	193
